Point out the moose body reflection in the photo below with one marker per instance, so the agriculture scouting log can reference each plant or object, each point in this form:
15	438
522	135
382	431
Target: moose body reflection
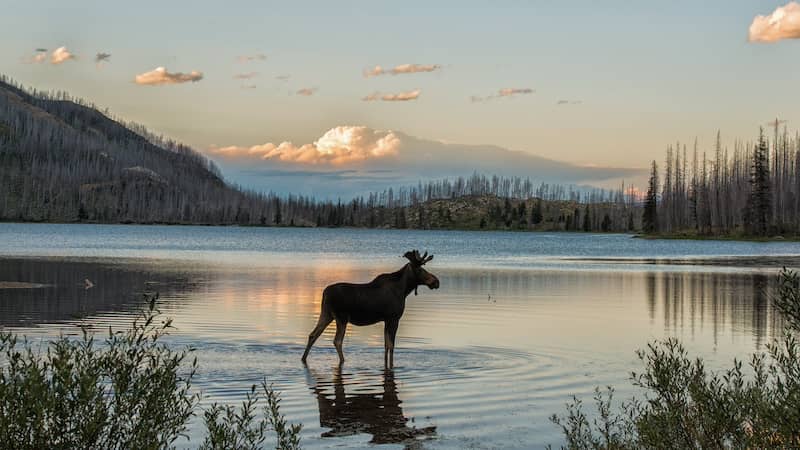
381	300
376	413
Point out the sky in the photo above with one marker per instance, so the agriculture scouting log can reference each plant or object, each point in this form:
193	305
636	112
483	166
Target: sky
330	97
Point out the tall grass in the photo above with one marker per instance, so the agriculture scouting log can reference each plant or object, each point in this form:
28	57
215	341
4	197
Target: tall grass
685	406
132	392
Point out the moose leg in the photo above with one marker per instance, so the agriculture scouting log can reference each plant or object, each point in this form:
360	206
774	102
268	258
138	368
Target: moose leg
324	320
341	326
389	333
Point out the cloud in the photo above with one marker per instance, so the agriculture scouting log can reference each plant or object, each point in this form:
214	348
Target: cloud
569	102
307	92
380	158
159	76
283	77
504	92
61	55
401	69
248	86
338	146
399	97
251	58
39	57
245	76
783	23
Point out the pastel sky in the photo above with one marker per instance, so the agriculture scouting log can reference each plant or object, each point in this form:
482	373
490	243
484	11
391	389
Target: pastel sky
590	83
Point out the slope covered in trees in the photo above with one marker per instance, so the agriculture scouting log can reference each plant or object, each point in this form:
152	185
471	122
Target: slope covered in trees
63	160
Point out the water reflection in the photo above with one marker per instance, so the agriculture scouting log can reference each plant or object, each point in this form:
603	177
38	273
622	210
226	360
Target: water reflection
371	409
59	292
693	301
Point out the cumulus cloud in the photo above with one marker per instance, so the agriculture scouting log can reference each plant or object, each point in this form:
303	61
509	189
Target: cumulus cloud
504	92
783	23
251	58
307	92
401	69
399	97
160	75
245	76
61	55
338	146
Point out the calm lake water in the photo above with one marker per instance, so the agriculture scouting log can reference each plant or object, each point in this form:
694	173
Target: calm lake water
522	321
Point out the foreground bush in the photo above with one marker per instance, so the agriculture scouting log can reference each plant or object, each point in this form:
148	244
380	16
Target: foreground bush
132	392
687	407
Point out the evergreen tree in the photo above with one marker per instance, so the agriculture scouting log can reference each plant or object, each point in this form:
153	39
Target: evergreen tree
650	215
759	208
587	219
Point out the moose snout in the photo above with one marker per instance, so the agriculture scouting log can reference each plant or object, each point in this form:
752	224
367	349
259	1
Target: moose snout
434	284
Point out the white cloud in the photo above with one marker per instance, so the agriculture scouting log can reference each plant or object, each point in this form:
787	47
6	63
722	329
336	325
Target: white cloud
60	55
401	69
251	58
783	23
307	92
399	97
338	146
160	75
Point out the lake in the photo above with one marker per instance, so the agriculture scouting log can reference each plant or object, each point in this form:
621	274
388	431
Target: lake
522	321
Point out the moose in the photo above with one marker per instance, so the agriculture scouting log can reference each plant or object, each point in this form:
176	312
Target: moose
381	300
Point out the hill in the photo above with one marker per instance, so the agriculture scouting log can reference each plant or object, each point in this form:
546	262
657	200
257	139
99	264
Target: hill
62	160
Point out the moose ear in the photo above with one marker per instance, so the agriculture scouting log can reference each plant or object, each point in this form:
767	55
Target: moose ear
409	255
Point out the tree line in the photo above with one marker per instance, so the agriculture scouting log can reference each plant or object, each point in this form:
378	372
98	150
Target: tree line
751	189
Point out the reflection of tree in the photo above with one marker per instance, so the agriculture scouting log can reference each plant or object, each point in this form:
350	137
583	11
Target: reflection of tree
116	287
376	413
734	301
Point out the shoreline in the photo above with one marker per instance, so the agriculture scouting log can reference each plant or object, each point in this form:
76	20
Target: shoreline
635	235
724	237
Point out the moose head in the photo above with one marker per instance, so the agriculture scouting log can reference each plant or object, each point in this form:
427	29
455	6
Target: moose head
422	276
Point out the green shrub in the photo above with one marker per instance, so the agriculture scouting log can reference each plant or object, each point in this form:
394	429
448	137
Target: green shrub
132	392
686	406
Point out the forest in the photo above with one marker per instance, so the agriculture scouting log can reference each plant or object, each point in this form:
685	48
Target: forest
748	190
63	160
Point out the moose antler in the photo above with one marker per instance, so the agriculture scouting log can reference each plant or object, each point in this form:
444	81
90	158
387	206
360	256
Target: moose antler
416	259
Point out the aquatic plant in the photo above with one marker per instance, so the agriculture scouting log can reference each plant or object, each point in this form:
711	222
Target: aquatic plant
132	392
687	406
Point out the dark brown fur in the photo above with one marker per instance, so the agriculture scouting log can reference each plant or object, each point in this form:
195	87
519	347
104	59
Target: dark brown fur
381	300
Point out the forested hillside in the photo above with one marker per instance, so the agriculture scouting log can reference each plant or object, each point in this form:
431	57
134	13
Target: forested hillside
63	160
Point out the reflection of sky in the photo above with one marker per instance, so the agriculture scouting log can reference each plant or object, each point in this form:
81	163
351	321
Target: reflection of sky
301	247
515	329
488	356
